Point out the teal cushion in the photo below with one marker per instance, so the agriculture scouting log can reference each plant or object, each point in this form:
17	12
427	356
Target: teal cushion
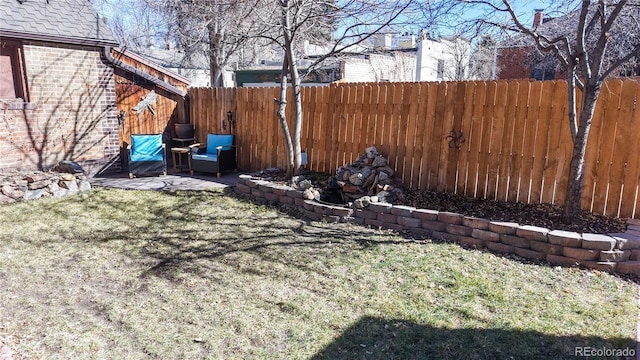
205	157
146	148
215	140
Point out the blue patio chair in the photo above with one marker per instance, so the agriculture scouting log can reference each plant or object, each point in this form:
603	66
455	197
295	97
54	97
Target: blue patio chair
147	155
217	156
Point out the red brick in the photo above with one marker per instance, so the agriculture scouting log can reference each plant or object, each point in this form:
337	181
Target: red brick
271	196
615	255
562	260
279	191
257	193
514	241
499	227
434	225
606	266
365	214
626	241
425	214
383	208
499	247
485	235
312	215
565	238
401	210
373	223
459	230
265	188
629	267
285	200
471	242
530	254
409	222
598	242
243	188
580	254
546	247
388	218
533	233
444	236
340	211
309	205
475	223
635	254
450	218
296	194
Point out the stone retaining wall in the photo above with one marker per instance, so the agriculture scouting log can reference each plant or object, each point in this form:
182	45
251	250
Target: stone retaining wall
615	253
40	184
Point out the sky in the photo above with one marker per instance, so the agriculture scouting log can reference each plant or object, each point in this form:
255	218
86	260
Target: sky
124	10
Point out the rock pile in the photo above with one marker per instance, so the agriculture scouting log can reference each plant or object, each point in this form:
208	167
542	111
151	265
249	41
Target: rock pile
368	179
65	179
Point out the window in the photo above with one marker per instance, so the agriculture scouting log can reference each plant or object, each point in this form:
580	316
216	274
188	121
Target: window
440	69
543	74
12	85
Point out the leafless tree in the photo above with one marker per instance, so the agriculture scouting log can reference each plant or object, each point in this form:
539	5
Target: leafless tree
138	26
482	64
217	29
591	40
335	27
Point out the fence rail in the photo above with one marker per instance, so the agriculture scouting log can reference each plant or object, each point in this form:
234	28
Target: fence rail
505	140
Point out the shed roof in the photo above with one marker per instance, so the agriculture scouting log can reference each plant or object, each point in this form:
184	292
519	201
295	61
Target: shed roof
65	21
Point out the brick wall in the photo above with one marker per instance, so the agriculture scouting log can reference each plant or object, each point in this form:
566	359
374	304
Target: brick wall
70	114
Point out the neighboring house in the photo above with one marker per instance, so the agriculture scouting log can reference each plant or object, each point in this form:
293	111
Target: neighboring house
443	59
195	68
57	86
517	58
393	66
384	58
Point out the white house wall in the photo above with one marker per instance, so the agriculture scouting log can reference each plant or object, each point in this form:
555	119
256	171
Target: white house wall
452	54
380	67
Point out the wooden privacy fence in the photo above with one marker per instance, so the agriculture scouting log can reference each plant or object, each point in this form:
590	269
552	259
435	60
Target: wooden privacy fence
505	140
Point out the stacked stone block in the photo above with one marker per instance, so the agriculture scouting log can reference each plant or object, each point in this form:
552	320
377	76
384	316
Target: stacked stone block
615	253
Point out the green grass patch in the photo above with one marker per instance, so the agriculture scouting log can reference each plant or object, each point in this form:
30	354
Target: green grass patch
201	275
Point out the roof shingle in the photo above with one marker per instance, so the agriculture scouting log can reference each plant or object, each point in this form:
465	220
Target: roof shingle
75	21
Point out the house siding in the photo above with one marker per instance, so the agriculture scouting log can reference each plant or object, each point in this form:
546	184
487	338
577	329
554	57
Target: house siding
71	113
379	67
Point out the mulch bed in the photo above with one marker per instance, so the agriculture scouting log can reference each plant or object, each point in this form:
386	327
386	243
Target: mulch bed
542	215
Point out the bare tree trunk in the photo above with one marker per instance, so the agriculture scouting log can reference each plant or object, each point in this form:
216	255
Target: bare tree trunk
215	70
573	199
282	104
297	109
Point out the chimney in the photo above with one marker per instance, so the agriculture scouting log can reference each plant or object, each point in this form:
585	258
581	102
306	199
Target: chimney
538	17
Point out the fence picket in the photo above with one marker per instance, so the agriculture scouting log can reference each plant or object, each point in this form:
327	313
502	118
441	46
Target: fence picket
517	139
631	170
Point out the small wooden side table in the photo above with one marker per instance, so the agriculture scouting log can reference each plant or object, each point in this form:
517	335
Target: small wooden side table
180	151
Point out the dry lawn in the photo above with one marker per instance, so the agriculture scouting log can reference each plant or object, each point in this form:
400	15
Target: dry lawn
200	275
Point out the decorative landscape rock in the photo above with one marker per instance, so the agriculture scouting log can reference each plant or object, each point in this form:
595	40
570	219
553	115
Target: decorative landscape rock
39	184
369	175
